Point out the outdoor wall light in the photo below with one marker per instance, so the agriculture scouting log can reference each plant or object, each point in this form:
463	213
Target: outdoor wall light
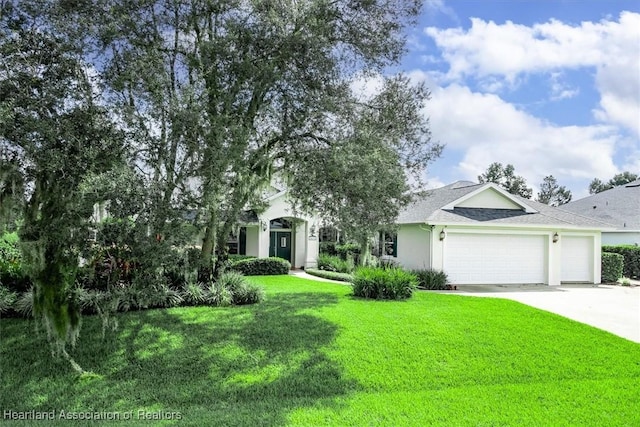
556	237
263	225
442	235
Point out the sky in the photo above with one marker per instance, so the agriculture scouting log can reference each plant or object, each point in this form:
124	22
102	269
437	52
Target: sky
549	86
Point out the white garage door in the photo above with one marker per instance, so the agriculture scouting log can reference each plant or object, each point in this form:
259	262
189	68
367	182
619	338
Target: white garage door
577	259
495	258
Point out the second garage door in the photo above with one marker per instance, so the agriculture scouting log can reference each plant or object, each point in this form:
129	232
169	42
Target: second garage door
577	259
495	258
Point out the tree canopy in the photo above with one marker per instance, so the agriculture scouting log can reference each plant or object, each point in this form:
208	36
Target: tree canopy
597	186
506	178
551	193
167	106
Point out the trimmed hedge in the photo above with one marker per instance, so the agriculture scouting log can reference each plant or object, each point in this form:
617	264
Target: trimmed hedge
262	266
611	266
378	283
332	275
631	254
235	258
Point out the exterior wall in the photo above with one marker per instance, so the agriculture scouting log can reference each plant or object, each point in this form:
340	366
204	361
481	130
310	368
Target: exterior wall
252	240
621	237
488	199
299	245
414	246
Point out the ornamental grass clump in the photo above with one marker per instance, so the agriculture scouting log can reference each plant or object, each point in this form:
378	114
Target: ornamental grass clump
431	279
378	283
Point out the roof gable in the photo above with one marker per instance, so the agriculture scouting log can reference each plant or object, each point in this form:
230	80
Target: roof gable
489	196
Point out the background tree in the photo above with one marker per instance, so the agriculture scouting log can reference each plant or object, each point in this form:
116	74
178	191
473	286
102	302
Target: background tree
52	137
597	186
506	178
553	194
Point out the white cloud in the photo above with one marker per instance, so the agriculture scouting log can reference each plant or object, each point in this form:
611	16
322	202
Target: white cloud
439	6
486	129
488	50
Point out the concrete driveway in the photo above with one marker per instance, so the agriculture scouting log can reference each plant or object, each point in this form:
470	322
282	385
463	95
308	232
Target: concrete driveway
615	309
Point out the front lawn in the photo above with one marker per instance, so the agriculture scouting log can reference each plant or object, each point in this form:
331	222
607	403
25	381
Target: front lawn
313	355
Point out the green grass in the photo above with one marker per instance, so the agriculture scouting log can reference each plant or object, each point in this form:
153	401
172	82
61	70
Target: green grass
313	355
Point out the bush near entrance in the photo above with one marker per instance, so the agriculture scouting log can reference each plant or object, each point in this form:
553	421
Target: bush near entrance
262	266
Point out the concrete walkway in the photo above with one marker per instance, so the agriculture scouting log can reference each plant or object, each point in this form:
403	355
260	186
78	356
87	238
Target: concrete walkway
303	275
615	309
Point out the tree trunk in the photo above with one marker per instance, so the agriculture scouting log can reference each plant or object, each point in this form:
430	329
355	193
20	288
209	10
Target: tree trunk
365	252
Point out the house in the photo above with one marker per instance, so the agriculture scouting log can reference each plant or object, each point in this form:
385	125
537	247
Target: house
278	232
481	234
619	206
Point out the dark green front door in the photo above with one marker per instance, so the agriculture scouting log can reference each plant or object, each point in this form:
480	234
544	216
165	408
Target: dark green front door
280	244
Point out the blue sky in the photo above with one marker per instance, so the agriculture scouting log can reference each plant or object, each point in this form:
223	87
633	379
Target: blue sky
550	86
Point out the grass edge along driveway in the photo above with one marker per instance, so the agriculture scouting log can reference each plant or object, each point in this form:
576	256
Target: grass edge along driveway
313	355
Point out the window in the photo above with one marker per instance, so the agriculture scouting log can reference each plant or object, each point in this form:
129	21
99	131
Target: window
328	234
237	244
280	223
388	244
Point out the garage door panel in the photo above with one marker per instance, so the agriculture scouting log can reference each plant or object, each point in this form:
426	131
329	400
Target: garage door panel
577	259
495	258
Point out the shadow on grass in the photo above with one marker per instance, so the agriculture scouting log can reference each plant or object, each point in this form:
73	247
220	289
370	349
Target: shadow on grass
247	365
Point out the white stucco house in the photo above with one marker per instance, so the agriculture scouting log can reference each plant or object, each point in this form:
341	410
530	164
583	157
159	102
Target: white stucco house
481	234
619	206
279	232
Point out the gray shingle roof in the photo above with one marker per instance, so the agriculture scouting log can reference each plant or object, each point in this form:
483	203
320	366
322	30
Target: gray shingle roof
619	206
429	210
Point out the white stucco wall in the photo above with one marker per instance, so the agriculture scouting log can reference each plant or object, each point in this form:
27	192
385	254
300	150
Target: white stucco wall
621	238
414	243
488	199
252	240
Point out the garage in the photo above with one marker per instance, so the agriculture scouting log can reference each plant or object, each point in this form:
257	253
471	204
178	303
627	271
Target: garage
495	258
577	259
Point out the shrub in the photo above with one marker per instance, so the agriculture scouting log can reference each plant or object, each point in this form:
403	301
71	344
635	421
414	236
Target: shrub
262	266
431	279
24	304
612	265
387	263
242	291
335	263
328	248
233	258
348	250
392	283
193	293
332	275
217	295
7	299
12	275
631	263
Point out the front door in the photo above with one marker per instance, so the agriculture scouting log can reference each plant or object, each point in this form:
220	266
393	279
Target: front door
280	244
